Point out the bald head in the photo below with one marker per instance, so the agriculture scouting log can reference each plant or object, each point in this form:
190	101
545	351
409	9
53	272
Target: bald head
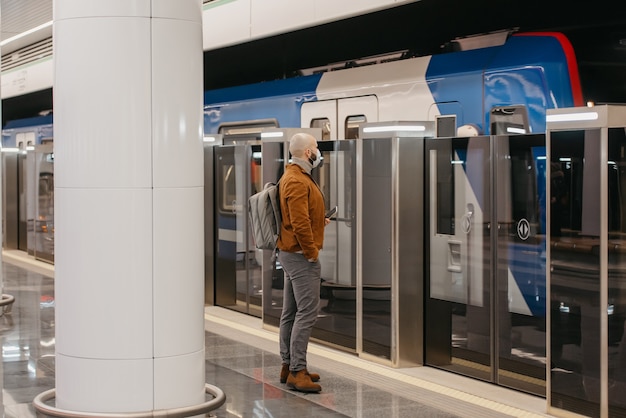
300	142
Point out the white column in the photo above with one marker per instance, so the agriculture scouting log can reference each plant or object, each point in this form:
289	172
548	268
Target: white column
2	223
128	205
1	269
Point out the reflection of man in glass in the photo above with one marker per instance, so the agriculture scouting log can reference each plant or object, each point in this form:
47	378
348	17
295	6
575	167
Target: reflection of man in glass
558	200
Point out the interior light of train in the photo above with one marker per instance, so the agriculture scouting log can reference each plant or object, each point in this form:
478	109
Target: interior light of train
565	159
541	157
10	149
209	139
30	148
272	134
457	162
389	128
513	130
256	155
572	117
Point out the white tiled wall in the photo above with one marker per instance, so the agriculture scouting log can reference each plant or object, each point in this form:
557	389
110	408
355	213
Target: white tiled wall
230	22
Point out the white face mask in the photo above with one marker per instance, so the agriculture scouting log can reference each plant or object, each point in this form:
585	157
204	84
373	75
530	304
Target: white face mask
315	161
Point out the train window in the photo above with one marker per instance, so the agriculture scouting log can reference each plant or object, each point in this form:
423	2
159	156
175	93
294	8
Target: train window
352	126
509	120
324	124
617	170
228	198
246	127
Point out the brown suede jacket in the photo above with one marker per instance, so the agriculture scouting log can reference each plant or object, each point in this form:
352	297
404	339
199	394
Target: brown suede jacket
302	209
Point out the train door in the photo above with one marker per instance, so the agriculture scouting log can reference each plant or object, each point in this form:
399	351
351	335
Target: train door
586	261
322	114
14	199
458	327
520	286
340	119
238	274
211	142
44	203
485	304
29	208
353	112
336	177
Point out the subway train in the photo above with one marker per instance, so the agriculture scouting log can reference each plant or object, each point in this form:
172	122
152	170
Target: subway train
500	83
485	304
28	186
490	75
496	84
490	84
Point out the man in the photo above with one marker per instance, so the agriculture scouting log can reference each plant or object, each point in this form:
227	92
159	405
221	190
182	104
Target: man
301	238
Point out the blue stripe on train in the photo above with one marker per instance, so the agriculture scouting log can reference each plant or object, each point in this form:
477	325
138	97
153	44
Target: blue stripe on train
508	71
528	261
547	69
29	122
285	87
456	78
281	101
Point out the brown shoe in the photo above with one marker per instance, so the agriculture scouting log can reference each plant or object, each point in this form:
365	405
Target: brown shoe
301	381
314	376
284	372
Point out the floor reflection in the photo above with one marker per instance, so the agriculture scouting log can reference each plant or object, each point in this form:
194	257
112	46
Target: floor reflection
246	373
27	335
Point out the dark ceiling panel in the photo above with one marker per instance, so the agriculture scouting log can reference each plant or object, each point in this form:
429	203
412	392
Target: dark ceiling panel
27	105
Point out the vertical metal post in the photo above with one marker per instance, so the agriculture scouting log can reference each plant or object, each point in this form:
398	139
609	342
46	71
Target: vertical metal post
604	274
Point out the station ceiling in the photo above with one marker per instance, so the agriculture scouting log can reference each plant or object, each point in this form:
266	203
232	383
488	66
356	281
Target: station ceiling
19	16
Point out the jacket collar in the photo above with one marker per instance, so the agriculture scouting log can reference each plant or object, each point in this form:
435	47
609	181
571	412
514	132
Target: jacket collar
304	164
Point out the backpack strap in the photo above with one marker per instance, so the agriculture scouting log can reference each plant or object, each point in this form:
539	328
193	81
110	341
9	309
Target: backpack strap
278	217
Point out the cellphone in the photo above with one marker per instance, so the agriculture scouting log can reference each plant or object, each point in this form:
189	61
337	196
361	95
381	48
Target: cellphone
331	212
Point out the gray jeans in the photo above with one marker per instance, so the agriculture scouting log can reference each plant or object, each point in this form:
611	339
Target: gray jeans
301	299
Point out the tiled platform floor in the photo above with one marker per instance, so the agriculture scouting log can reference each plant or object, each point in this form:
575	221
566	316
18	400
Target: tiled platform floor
242	360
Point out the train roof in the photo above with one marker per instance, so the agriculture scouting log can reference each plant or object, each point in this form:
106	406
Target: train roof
28	122
549	48
285	87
